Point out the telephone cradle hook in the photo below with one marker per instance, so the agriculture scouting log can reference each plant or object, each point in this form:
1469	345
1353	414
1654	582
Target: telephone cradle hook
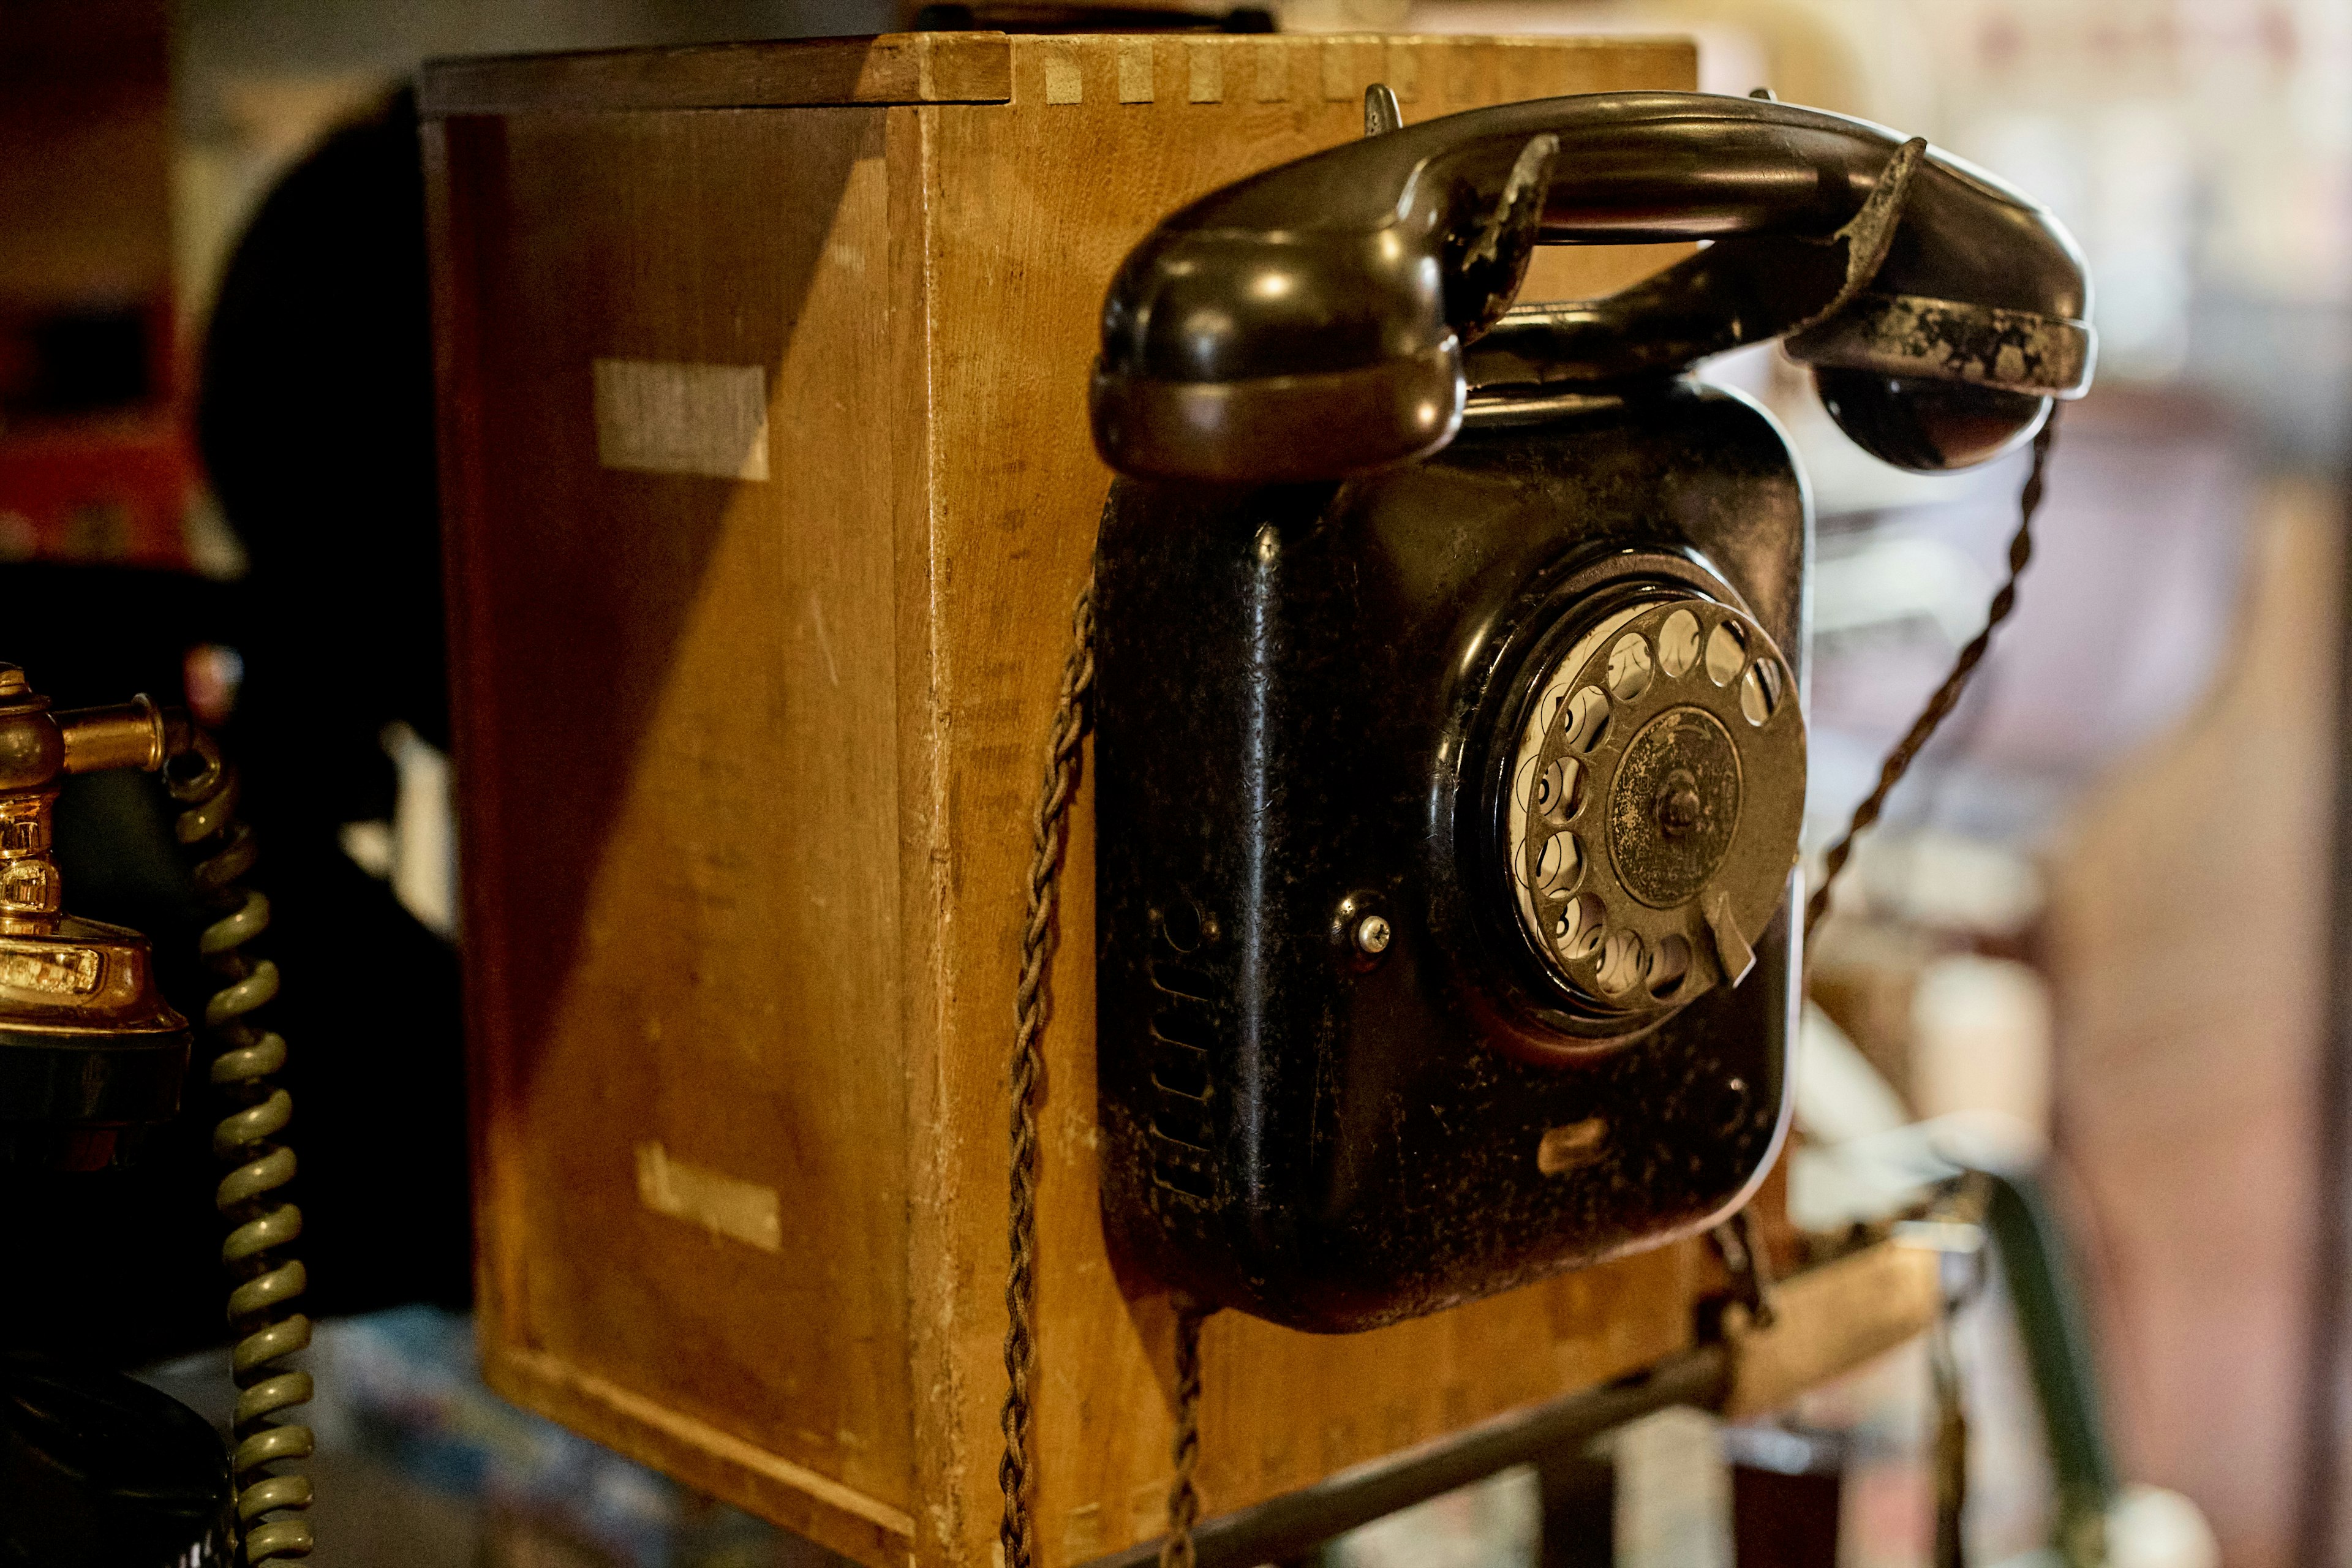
1739	1242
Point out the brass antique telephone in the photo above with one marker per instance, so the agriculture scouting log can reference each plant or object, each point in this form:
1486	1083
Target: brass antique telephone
1451	750
97	1468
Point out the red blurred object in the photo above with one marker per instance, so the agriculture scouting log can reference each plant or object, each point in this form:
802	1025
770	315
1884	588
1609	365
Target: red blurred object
115	490
96	463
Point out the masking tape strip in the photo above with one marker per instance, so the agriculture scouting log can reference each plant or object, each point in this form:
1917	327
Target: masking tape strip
658	418
745	1211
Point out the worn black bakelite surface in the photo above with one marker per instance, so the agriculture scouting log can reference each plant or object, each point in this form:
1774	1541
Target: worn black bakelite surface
1299	693
97	1471
65	1092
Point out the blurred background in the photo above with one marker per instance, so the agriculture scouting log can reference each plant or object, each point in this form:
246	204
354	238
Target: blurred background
2101	935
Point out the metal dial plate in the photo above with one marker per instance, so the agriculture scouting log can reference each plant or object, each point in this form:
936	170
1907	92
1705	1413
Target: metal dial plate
1656	793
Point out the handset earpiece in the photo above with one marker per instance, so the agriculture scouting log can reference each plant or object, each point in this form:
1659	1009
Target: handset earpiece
1337	314
1924	424
1953	353
1930	384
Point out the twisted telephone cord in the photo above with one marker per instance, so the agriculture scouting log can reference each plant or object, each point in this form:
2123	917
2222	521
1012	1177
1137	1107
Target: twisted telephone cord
1947	697
264	1226
1050	836
1183	1496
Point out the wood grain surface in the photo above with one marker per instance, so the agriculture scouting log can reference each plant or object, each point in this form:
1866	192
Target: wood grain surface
747	768
678	700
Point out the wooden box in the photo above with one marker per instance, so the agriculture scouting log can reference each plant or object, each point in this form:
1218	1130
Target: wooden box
768	490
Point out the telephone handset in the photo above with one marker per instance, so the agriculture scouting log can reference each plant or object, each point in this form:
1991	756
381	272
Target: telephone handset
1450	764
1314	320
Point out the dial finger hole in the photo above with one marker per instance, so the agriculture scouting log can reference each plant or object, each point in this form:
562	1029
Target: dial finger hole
1629	667
1622	961
1588	718
1759	691
1559	864
1552	704
1560	793
1669	966
1726	650
1678	644
1576	929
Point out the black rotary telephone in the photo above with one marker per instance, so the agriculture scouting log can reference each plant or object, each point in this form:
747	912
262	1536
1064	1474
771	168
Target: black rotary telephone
1450	755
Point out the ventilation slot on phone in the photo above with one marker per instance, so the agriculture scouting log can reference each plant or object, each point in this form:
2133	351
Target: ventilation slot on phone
1177	1114
1171	1122
1185	1009
1182	980
1181	1168
1178	1068
1184	1021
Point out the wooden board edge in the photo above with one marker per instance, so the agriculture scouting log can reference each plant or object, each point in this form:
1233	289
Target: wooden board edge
1830	1319
885	68
449	242
935	1160
838	1517
1613	43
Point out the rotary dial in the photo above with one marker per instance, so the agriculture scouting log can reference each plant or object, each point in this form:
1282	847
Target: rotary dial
1656	795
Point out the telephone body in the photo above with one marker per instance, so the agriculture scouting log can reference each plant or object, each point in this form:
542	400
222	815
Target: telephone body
1449	752
92	1063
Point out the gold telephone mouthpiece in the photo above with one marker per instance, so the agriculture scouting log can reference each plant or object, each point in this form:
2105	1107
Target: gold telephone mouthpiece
90	1054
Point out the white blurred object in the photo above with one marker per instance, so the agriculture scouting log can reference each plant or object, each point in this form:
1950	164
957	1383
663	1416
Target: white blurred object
1674	1492
1839	1095
2152	1528
1732	57
1980	1041
1980	1075
423	832
1948	881
2149	1527
1880	1175
1884	579
1841	1101
416	851
1342	15
369	845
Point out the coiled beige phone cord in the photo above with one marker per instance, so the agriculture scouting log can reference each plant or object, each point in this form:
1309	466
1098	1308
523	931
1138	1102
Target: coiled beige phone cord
269	1502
